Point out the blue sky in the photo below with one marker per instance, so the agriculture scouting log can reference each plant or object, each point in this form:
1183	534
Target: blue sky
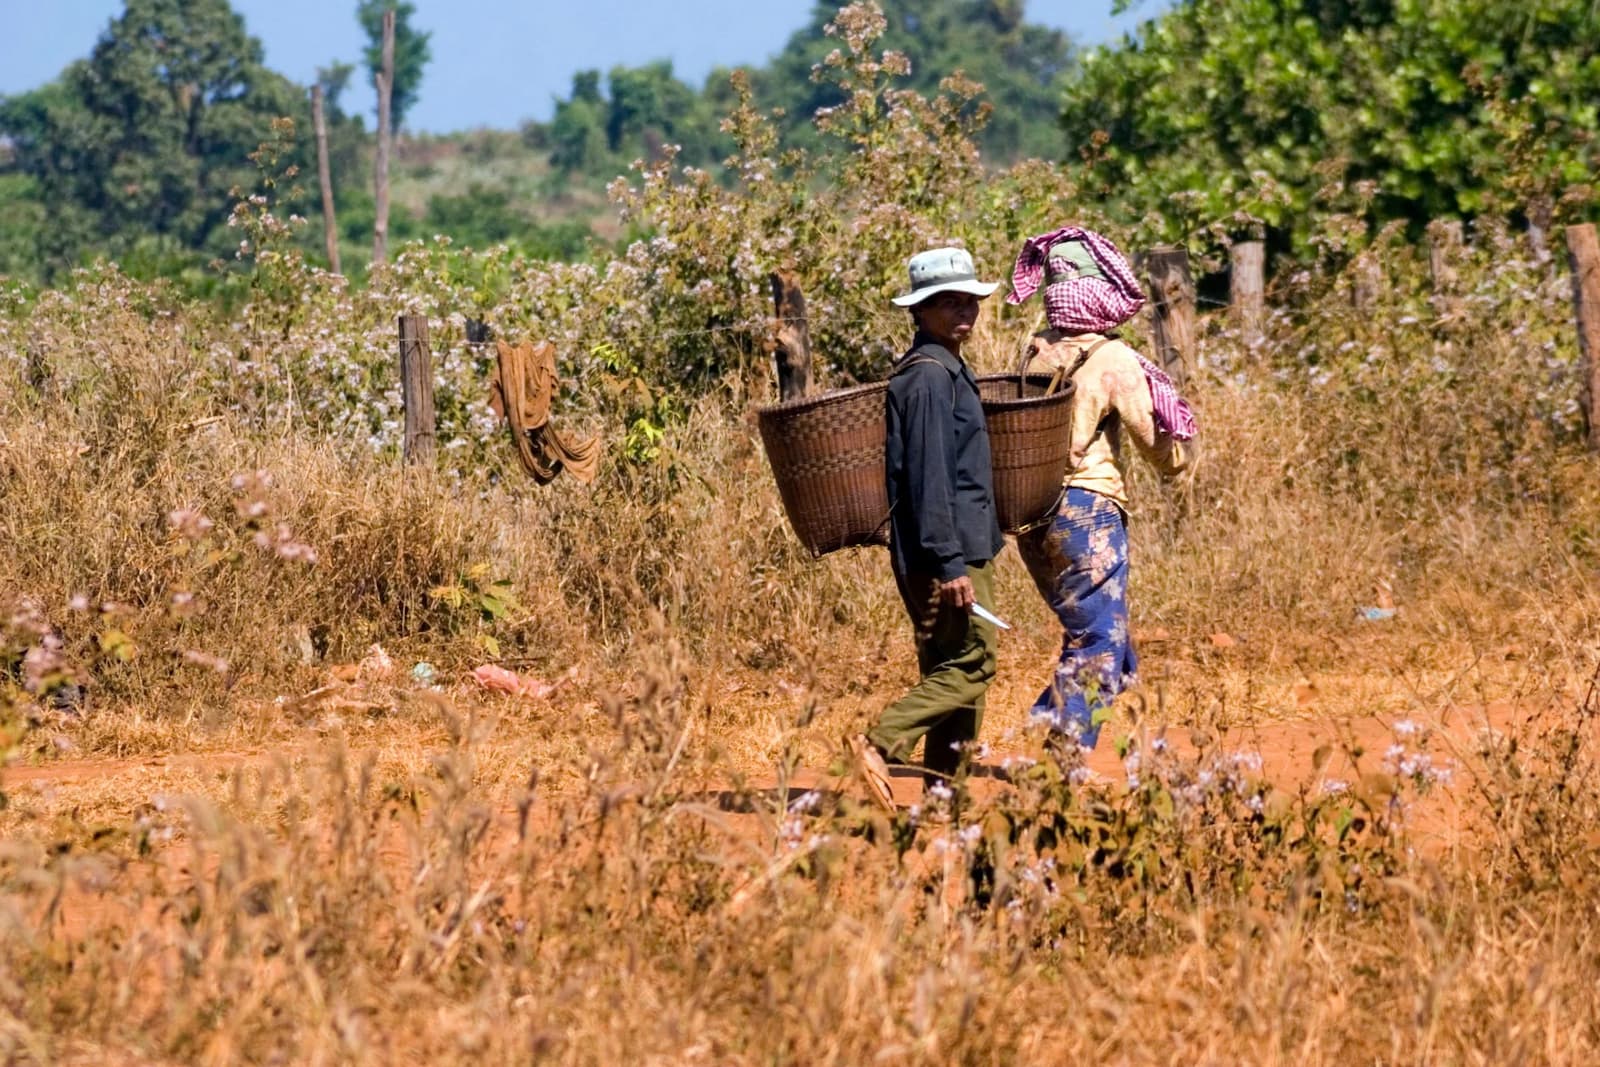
495	62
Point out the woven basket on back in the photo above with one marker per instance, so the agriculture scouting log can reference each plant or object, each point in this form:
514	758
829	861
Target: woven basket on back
826	453
1030	440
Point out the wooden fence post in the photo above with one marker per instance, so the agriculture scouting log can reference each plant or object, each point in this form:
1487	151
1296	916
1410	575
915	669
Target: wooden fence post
1583	251
38	368
1445	242
1172	301
792	342
1366	282
1247	286
385	80
330	228
416	390
1541	213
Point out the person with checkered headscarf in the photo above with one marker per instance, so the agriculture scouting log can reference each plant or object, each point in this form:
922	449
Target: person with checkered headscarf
1078	557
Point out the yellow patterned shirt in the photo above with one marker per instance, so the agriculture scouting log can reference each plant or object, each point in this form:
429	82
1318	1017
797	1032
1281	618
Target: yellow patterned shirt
1112	399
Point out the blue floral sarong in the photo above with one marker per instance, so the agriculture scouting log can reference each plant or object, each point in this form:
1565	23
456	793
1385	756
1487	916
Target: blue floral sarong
1079	561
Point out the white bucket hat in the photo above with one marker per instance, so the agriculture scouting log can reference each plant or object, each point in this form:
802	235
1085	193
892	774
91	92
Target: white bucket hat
943	270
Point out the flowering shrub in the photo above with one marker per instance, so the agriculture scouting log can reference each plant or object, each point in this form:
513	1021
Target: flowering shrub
685	304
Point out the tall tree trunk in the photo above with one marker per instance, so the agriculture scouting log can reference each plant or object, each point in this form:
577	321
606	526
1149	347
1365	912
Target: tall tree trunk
330	228
380	225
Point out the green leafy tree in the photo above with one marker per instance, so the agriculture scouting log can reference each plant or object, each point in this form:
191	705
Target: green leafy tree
1022	67
645	109
647	103
484	216
334	80
480	216
577	134
145	140
22	219
411	51
1257	116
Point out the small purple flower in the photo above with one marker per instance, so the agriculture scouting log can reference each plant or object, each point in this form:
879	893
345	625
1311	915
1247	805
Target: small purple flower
189	523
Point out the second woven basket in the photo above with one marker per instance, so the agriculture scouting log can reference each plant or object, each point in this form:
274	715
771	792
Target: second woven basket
1030	441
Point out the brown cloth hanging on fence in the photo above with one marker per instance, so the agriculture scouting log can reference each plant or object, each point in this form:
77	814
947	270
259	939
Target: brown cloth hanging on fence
520	392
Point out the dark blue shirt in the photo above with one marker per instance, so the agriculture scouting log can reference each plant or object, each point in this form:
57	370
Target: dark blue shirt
941	486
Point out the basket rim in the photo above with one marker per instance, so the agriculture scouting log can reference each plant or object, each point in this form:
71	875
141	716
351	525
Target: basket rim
801	403
1060	396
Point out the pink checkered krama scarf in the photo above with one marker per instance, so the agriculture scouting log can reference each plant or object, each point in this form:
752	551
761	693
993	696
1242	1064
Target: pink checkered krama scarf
1084	304
1078	304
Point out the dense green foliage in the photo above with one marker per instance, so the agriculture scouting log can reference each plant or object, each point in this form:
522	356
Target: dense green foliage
1022	67
411	52
644	109
1310	122
77	150
1257	115
139	146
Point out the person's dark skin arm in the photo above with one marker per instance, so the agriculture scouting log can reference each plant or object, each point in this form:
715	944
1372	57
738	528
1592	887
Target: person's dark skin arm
959	593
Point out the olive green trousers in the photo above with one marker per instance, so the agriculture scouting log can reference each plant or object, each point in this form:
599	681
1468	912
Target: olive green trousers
956	654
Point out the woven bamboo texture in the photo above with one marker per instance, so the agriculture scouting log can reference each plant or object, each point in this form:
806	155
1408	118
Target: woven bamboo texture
827	455
1030	442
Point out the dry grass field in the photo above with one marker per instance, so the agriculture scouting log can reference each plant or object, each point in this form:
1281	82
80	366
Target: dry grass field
231	835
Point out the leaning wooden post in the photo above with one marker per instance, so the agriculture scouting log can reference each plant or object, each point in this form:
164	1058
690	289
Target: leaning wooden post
1366	282
792	341
416	389
1248	287
1444	256
1172	309
330	228
385	80
1583	252
479	336
1540	211
38	369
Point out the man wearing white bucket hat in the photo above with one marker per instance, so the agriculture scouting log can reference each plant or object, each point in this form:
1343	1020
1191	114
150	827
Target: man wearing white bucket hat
943	533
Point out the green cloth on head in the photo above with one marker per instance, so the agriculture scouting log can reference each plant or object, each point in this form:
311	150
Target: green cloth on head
1073	253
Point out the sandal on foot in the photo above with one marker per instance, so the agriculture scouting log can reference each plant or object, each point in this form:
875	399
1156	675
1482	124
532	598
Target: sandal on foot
869	761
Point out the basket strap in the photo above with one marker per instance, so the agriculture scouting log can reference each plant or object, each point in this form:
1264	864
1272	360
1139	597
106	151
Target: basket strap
1045	519
1084	354
912	362
1028	352
1062	373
